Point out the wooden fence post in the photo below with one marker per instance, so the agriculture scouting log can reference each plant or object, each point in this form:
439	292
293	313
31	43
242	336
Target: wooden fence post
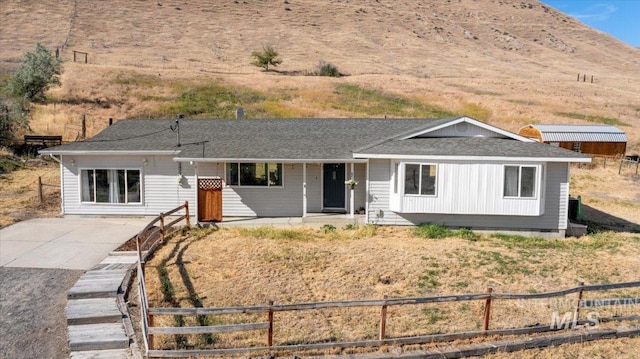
84	126
150	324
621	161
186	211
40	196
383	318
138	245
487	309
162	227
576	312
270	334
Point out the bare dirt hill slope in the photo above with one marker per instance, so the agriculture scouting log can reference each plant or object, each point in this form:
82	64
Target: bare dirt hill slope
518	59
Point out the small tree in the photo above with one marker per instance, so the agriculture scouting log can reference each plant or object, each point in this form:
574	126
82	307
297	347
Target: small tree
268	56
38	71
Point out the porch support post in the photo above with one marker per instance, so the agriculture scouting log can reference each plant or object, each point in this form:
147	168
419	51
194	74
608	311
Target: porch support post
351	196
195	208
304	190
366	196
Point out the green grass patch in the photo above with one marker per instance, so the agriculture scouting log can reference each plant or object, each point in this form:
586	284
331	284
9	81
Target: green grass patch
359	100
434	231
211	101
476	111
529	242
591	118
277	233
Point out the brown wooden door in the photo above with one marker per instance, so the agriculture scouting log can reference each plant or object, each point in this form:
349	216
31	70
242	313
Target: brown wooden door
210	199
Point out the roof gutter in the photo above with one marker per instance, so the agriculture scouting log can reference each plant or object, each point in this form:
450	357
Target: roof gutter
281	160
110	153
468	158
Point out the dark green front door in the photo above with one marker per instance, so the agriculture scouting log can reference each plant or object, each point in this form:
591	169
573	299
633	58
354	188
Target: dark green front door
333	187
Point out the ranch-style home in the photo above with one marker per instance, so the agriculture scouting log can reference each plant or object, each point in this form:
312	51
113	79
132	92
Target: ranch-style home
457	172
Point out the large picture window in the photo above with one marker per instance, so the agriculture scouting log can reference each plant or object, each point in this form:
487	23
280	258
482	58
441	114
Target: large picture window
519	181
420	179
254	174
110	186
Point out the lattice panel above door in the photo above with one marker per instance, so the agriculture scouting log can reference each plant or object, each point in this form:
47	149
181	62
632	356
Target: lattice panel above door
210	183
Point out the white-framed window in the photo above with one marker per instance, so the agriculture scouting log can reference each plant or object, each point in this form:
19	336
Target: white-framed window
420	179
255	174
110	186
520	181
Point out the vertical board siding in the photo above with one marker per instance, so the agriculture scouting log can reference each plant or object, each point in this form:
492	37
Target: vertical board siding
553	219
471	188
160	189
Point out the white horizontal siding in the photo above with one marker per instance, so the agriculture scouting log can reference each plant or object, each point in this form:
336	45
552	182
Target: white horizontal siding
159	176
553	219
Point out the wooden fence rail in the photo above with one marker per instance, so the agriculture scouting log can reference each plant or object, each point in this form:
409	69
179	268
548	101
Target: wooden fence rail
148	236
384	303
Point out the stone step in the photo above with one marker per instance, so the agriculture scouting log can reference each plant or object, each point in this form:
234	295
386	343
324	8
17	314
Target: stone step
102	336
102	354
96	286
93	311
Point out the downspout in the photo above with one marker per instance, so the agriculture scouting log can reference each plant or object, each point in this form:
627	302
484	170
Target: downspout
61	182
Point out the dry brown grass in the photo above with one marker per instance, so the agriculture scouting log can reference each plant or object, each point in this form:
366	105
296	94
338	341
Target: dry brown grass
240	267
19	193
520	67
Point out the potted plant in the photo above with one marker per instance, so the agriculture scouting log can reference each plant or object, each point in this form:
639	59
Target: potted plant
351	183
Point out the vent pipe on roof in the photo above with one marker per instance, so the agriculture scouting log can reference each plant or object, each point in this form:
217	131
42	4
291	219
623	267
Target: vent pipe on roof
239	113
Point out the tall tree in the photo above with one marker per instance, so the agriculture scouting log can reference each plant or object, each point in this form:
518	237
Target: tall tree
268	56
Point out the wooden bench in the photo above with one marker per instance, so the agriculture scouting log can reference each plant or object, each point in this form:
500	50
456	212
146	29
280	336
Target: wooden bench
39	140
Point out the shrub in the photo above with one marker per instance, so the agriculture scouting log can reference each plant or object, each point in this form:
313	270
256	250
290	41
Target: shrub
326	228
327	69
429	230
38	71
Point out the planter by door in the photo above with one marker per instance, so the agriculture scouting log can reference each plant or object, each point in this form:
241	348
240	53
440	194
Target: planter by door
210	199
333	186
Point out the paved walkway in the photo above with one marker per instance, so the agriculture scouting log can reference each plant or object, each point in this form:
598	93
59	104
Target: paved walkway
64	243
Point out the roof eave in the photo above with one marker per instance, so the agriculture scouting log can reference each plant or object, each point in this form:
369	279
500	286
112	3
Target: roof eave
109	153
272	160
467	158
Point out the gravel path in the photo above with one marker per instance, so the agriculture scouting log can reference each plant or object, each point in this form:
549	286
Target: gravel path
32	312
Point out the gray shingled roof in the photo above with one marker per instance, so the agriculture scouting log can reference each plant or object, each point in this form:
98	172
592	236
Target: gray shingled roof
470	147
249	138
292	139
581	133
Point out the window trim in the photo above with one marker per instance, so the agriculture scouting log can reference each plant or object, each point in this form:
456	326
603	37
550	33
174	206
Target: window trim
419	194
536	181
126	203
238	184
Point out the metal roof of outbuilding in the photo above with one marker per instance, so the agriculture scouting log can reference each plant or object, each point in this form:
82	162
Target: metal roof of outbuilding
581	133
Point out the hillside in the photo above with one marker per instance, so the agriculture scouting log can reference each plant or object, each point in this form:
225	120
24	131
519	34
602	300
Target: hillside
505	62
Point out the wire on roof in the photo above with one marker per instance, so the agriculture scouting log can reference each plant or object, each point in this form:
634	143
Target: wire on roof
129	138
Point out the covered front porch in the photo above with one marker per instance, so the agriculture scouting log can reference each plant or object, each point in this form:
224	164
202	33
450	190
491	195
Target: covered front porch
312	191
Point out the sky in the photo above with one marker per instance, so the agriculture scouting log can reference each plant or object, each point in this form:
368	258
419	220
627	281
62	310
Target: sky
619	18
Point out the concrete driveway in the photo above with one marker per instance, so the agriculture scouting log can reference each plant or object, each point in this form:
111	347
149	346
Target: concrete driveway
64	243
